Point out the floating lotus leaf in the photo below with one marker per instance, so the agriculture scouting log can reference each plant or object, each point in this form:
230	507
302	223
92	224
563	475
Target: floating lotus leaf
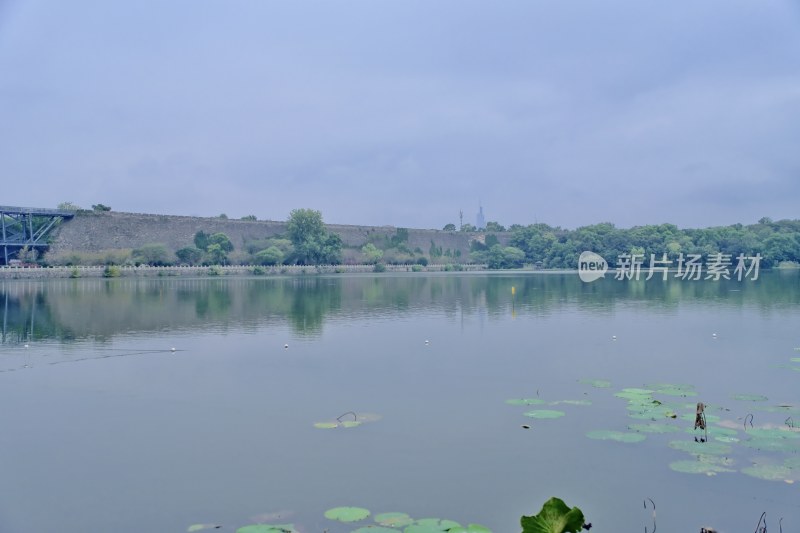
201	527
267	528
375	529
393	519
598	383
555	517
714	431
698	467
773	433
773	445
472	528
572	402
727	439
700	448
787	409
750	397
795	359
793	463
351	423
769	472
653	428
438	524
671	389
710	419
369	417
347	514
326	425
619	436
525	401
544	413
634	394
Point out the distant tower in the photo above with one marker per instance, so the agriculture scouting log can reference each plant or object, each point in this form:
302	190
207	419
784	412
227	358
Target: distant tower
480	221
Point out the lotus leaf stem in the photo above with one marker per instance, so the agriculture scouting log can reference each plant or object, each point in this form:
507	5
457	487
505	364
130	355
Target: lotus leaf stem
762	519
339	418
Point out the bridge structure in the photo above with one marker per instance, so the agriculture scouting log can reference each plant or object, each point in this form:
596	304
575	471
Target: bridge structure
27	227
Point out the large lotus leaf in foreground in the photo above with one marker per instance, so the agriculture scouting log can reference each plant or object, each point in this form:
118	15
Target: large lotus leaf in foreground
555	517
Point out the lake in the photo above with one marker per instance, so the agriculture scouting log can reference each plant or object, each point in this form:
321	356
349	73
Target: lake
106	428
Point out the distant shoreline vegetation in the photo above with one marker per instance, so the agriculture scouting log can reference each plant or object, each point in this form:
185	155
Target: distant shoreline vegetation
308	241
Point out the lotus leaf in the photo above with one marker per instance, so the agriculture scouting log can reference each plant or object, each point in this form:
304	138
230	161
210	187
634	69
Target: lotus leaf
555	517
618	436
393	519
347	514
544	413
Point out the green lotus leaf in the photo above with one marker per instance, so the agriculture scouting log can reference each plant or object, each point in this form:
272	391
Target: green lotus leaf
710	419
750	397
700	448
793	463
351	423
658	387
698	467
555	517
267	528
634	394
769	472
773	433
653	428
432	524
544	413
525	401
572	402
714	431
472	528
347	514
619	436
326	425
597	383
795	359
393	519
773	445
375	529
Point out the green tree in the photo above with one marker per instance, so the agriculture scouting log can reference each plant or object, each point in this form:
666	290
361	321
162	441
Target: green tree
372	254
201	240
151	254
101	207
449	227
494	226
312	243
189	255
69	206
271	256
216	254
222	240
251	218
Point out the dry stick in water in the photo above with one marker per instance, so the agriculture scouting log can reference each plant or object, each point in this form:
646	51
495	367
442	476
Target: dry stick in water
654	514
750	416
764	519
339	418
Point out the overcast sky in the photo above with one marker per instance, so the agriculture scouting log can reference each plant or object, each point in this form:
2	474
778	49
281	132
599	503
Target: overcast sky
402	113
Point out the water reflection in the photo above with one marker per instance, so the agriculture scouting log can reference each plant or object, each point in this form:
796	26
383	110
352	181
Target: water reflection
98	308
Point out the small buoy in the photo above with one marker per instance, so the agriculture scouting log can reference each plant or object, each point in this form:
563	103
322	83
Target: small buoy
286	346
172	349
713	334
427	341
613	337
26	346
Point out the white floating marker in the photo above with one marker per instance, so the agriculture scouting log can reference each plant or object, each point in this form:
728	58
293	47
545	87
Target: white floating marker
613	337
427	341
26	346
286	346
172	349
714	335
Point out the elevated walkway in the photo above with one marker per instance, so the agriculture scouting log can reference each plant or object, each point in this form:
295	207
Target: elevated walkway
26	227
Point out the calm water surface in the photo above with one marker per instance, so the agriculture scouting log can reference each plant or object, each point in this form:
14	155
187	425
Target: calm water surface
104	428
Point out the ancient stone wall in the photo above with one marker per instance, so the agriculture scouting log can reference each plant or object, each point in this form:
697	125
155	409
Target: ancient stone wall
107	231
